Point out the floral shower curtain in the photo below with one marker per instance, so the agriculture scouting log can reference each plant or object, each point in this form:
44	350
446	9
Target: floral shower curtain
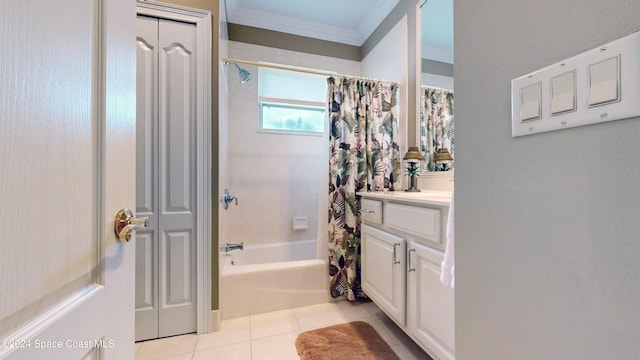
436	122
363	156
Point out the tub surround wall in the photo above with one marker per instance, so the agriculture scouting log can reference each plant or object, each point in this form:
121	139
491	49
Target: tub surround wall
276	177
547	225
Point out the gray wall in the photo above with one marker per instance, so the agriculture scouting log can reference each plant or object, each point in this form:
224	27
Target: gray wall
548	226
280	40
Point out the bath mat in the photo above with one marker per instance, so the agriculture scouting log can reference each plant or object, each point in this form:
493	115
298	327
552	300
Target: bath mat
355	340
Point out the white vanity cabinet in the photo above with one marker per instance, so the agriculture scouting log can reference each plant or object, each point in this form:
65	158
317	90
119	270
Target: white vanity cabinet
402	249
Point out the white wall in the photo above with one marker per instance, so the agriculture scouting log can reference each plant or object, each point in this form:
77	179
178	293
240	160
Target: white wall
388	61
547	229
274	176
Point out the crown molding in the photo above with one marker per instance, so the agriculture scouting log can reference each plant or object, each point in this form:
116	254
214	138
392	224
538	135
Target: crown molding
375	17
352	36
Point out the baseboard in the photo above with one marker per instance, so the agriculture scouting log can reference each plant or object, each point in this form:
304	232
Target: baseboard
215	320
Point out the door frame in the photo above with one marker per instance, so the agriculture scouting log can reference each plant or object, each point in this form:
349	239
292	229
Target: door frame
202	20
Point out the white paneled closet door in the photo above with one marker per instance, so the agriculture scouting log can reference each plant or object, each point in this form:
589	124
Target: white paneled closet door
166	182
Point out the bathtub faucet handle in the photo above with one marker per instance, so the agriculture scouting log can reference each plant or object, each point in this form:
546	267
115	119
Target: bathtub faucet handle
228	198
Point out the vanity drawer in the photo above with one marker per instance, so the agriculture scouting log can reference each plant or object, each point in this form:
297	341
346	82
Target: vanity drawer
415	220
371	211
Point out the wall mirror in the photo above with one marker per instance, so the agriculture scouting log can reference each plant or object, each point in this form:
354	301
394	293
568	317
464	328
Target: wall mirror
435	132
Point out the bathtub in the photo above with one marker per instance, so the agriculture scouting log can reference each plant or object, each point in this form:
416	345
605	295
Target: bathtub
264	278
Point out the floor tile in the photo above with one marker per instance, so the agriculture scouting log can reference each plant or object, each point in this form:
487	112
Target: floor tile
185	356
387	329
272	335
410	351
231	331
316	316
273	323
237	351
157	349
350	310
279	347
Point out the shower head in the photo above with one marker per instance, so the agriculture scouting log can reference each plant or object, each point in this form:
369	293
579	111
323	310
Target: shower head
242	73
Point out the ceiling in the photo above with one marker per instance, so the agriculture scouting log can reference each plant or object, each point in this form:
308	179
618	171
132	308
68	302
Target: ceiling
349	22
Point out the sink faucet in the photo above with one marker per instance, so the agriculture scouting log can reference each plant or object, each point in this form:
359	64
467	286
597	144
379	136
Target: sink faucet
229	247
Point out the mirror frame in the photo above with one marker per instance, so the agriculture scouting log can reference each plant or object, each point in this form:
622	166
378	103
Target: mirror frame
418	60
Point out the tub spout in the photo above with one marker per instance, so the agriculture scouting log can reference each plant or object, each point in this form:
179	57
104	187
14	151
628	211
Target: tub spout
229	247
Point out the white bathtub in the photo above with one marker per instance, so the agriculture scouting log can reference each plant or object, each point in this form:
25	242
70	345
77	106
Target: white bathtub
264	278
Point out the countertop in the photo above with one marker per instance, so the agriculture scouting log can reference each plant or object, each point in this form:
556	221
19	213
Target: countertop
429	197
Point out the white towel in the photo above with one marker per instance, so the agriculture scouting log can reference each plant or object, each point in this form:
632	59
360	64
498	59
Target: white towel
447	269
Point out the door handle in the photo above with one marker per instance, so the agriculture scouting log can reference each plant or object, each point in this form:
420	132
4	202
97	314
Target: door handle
126	223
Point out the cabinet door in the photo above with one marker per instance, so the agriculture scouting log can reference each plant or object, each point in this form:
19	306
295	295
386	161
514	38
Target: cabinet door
383	270
430	311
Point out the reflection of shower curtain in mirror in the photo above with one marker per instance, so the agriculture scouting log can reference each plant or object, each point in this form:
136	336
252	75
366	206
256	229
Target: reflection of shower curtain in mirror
363	156
436	122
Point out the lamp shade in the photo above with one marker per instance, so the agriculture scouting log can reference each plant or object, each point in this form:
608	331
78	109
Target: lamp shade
442	154
413	154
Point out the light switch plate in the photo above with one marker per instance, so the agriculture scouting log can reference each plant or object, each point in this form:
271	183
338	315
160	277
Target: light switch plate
601	94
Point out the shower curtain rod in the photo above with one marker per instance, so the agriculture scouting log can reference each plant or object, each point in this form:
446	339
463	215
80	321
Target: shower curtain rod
308	71
435	87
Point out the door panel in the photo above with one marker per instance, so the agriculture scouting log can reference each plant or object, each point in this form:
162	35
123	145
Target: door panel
67	129
177	116
177	181
146	286
144	269
46	106
146	112
167	181
176	288
146	177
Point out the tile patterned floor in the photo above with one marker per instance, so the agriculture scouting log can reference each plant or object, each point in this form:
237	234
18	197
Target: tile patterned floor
272	335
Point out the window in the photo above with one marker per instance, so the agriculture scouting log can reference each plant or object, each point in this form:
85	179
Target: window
285	117
291	101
